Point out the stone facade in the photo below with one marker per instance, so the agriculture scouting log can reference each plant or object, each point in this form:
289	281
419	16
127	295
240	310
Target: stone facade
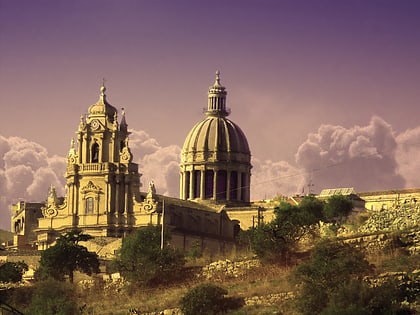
103	192
24	221
391	199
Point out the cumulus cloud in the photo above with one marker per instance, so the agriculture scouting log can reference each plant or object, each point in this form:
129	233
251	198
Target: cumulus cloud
274	178
156	163
364	157
361	157
26	172
408	152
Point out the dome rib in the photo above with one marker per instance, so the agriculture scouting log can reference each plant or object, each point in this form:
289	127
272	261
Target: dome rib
216	135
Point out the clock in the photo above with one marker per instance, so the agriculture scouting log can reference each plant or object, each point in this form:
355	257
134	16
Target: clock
94	124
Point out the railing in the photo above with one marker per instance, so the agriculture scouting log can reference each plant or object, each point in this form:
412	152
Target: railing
100	167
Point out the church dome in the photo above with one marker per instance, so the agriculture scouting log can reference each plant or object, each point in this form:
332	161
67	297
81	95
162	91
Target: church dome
216	138
102	107
215	159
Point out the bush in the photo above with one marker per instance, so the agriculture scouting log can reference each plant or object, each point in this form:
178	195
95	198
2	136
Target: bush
208	299
142	261
332	263
53	297
358	298
12	271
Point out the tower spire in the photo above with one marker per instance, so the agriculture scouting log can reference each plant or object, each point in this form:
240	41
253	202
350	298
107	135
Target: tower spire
102	96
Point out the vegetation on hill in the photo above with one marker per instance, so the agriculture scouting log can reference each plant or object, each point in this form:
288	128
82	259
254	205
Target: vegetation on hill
142	261
67	256
333	277
277	241
12	271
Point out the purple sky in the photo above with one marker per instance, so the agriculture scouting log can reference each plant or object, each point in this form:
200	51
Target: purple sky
326	91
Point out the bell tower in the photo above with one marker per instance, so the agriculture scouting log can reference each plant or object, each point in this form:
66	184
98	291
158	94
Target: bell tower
102	181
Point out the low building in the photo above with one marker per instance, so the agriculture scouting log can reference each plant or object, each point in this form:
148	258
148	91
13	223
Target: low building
391	199
24	221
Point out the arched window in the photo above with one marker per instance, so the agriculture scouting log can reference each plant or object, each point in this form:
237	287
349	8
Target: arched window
89	206
95	153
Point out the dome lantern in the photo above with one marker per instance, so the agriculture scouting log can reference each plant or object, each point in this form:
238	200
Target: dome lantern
216	105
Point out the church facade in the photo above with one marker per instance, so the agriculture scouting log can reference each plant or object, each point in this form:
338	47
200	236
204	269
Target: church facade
103	192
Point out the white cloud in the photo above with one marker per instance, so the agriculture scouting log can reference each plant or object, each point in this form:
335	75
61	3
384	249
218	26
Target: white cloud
360	157
408	153
273	178
26	172
157	163
365	157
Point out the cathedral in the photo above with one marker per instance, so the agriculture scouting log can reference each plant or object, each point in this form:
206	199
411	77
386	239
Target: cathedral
103	196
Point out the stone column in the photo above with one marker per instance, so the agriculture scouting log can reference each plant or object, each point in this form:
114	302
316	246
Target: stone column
79	148
239	189
228	185
215	184
85	149
192	184
181	185
202	184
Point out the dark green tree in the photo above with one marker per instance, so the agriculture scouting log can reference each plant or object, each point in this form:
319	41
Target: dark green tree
12	271
276	241
313	208
337	208
67	256
142	261
208	299
331	264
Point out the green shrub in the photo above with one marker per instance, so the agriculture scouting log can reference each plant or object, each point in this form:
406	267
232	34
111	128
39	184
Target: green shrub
208	299
142	261
12	271
52	297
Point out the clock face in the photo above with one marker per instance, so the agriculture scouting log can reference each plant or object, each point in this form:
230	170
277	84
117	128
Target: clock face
94	124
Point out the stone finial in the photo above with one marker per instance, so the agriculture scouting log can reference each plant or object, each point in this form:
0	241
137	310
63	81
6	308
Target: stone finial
217	81
152	188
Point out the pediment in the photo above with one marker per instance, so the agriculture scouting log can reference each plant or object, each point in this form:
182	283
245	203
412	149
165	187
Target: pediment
91	187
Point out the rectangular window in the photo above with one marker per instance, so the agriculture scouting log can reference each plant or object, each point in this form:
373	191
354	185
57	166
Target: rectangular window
89	205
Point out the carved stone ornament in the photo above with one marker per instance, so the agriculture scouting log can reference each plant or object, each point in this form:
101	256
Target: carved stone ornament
91	187
126	156
149	205
50	211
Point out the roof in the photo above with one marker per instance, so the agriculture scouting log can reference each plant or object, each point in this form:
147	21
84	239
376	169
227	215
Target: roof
216	134
337	191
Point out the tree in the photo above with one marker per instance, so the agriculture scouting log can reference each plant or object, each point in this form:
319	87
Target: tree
208	299
332	263
141	259
12	271
337	208
67	256
276	241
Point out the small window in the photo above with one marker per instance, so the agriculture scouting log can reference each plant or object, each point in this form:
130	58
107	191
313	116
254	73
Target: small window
89	205
95	153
